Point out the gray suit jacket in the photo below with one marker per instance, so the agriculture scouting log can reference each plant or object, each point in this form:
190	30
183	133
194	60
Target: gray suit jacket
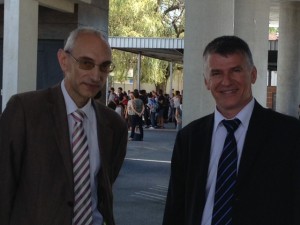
36	163
268	183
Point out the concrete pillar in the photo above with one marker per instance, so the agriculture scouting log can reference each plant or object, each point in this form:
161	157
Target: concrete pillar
205	20
94	15
19	47
139	71
288	85
208	19
171	78
251	23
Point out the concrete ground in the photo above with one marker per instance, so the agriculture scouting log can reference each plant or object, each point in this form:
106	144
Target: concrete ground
141	188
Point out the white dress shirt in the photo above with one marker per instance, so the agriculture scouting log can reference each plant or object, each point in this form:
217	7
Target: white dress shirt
218	139
90	128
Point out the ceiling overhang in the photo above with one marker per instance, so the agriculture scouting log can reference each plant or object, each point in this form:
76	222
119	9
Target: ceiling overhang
170	55
168	49
62	5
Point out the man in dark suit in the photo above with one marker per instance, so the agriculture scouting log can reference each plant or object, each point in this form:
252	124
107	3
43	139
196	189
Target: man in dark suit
263	186
37	144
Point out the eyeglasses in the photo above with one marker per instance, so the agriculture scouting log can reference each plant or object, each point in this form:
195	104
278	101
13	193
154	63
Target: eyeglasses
87	64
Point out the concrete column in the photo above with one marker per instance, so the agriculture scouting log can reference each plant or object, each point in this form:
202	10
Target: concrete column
171	78
139	70
208	19
19	47
205	20
251	23
288	79
94	15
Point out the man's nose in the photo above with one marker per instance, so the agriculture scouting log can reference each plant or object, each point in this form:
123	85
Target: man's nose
95	74
226	80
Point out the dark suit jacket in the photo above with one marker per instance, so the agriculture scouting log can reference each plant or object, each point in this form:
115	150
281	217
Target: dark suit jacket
36	163
268	185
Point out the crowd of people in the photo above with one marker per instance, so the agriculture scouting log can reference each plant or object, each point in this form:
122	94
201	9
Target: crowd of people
142	109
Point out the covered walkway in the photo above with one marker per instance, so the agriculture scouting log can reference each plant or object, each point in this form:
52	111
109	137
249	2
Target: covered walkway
168	49
171	49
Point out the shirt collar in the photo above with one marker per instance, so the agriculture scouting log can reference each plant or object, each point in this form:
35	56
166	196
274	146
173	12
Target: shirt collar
70	104
244	115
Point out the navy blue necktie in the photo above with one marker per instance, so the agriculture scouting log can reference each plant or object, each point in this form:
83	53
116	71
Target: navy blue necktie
226	177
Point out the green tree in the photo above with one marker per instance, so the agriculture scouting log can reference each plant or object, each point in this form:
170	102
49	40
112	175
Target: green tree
173	15
273	30
144	18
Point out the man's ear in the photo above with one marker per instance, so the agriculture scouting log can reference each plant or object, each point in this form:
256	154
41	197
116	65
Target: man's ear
62	59
253	75
206	82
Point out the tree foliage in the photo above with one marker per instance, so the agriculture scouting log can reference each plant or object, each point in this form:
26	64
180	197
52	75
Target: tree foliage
273	30
173	15
144	18
134	18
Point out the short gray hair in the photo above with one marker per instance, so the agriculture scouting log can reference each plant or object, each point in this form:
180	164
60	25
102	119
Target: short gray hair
77	32
226	45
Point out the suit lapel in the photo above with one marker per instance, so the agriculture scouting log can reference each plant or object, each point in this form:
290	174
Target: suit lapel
61	129
206	135
254	141
105	134
202	149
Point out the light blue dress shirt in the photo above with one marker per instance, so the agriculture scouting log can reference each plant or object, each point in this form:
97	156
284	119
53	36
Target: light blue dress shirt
90	127
217	142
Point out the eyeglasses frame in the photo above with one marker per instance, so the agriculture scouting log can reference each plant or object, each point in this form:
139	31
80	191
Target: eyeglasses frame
100	66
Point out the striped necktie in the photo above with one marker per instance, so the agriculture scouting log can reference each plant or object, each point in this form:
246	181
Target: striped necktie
81	172
226	177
